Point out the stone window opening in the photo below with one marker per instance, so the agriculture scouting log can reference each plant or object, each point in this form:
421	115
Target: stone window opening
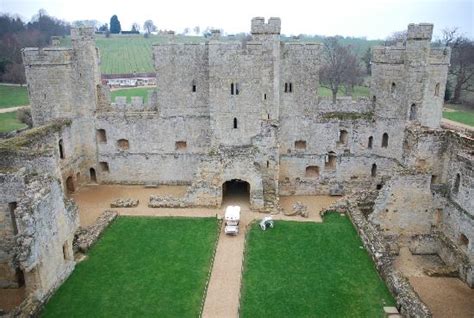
268	164
434	179
379	186
235	123
370	143
436	90
343	137
193	86
268	115
104	166
374	100
101	136
393	88
330	161
70	185
312	172
457	183
290	87
413	112
463	240
93	175
61	149
373	171
234	89
286	87
123	144
11	208
264	96
385	140
180	145
66	252
300	144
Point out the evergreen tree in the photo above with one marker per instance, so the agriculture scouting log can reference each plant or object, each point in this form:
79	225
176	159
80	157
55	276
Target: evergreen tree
115	27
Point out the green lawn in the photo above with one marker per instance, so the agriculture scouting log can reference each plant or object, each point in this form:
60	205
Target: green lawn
359	91
129	92
141	267
459	113
11	96
8	122
310	270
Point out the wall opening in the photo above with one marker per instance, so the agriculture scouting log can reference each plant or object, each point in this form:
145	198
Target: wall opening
300	144
343	137
264	96
290	87
231	88
11	208
180	145
457	183
312	172
235	191
436	93
92	174
434	179
235	123
101	136
20	277
268	164
370	143
385	140
330	161
70	185
463	240
393	88
373	171
104	166
193	86
379	186
123	144
237	88
61	149
286	87
413	112
374	100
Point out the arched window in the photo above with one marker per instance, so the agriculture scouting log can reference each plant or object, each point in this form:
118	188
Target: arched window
101	136
393	89
385	140
235	123
371	142
343	136
330	161
123	144
312	172
413	112
373	172
61	149
93	175
437	89
457	183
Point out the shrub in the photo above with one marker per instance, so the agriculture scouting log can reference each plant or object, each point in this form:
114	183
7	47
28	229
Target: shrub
24	115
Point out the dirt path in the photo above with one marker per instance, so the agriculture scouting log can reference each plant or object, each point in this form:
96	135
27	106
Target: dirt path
11	109
444	296
454	124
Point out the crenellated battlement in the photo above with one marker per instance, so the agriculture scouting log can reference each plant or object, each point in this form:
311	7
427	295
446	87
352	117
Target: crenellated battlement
47	56
273	26
440	55
421	31
83	34
388	55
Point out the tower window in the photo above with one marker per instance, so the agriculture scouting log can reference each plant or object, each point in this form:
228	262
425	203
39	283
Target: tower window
235	123
264	96
288	87
231	88
371	142
437	89
385	140
123	144
393	89
373	171
330	161
234	88
104	166
193	87
300	144
343	137
180	145
101	136
61	149
413	112
457	183
312	172
12	207
374	100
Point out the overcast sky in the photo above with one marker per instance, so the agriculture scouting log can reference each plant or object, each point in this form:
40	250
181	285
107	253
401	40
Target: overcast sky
374	19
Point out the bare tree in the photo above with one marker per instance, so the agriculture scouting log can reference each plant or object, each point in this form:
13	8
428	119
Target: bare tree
149	26
396	37
462	62
340	67
197	29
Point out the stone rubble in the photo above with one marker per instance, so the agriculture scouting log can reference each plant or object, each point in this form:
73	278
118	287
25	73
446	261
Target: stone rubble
84	238
124	203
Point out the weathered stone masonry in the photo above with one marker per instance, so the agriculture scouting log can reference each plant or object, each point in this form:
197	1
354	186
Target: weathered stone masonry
226	110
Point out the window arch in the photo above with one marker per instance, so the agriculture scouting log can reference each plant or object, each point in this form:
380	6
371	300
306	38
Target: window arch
373	171
393	88
385	140
330	161
343	136
312	172
370	143
235	123
61	149
413	112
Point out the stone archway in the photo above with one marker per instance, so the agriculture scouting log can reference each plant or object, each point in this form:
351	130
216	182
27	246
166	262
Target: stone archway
236	192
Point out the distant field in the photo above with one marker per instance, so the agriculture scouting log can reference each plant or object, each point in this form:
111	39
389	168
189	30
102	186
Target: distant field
8	122
129	92
129	53
464	117
12	96
359	91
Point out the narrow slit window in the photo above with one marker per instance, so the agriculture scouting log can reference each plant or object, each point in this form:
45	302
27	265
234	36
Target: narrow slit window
286	87
385	140
413	112
371	142
61	149
237	88
457	183
437	89
373	171
231	88
235	123
12	207
290	87
393	88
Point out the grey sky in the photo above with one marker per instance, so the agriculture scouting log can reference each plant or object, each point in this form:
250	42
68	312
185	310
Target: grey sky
371	18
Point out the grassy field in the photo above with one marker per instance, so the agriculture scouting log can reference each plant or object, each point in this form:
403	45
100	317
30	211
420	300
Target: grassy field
141	267
459	113
11	96
129	92
359	91
129	53
8	122
311	270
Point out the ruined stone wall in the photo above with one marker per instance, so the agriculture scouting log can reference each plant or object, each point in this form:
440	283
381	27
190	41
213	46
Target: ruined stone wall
37	220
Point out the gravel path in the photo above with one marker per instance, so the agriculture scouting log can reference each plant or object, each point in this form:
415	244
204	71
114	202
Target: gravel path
10	109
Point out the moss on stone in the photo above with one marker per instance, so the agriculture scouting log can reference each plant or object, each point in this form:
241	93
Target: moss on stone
348	116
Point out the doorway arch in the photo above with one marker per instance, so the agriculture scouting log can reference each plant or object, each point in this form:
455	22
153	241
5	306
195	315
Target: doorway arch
236	192
93	175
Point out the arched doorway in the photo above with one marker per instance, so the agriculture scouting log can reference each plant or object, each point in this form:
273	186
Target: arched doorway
93	175
236	192
70	185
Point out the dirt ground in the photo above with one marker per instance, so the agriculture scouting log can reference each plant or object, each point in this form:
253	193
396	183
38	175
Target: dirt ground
11	297
445	296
